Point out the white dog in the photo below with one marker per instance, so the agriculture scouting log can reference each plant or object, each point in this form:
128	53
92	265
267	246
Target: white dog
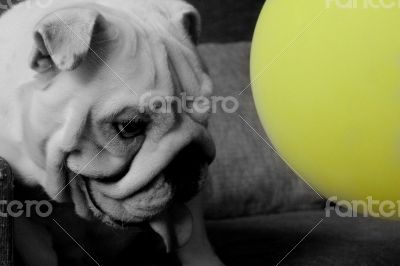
74	120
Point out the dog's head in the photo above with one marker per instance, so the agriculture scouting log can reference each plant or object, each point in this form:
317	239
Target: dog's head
98	118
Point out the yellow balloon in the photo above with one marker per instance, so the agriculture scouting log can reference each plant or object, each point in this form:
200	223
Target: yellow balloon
326	81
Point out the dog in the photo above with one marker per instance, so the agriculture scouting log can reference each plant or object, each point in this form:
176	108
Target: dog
77	118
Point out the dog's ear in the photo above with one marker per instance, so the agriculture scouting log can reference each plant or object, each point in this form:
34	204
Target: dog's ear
191	22
186	16
63	38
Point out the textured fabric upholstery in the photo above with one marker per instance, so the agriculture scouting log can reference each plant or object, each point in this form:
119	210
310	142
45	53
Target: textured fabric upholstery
266	240
6	194
228	20
247	176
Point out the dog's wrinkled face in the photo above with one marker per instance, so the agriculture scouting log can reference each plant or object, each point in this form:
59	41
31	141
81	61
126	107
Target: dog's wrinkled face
89	121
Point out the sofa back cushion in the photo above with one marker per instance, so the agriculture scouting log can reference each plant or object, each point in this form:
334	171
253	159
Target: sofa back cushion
247	177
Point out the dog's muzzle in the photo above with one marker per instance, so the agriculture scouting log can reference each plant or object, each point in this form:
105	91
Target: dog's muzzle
179	181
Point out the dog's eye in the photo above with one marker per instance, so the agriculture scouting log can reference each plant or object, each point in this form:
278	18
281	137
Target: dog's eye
128	130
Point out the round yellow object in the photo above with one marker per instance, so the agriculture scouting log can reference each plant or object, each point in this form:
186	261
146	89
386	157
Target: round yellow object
326	81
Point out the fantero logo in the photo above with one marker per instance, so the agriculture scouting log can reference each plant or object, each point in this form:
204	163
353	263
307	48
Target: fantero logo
8	4
26	208
374	4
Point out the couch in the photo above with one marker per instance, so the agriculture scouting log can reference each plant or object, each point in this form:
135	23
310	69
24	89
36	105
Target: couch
258	212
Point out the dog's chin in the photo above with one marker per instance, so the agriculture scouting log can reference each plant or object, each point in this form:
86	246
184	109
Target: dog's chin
141	207
178	183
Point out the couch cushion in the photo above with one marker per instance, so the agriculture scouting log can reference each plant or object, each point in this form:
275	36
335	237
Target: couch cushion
266	240
228	20
247	176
